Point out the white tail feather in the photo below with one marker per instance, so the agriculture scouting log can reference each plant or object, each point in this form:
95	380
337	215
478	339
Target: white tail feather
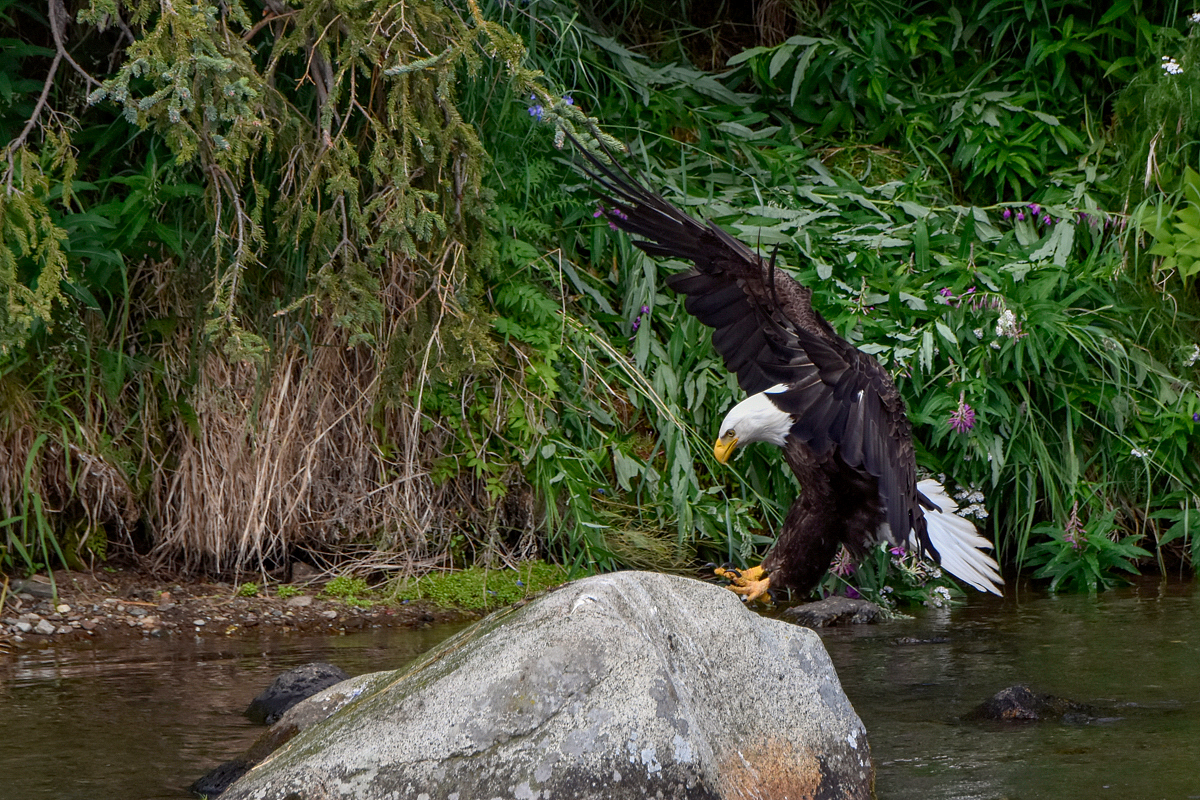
958	544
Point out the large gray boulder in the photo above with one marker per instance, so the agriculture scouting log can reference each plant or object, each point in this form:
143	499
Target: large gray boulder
629	685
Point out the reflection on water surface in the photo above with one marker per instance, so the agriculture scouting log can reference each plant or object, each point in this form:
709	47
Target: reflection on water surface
1133	653
141	719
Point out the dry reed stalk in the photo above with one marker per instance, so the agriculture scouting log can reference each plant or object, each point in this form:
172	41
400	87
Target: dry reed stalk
310	456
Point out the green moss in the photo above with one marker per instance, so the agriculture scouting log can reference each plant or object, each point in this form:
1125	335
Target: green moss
477	588
248	589
348	590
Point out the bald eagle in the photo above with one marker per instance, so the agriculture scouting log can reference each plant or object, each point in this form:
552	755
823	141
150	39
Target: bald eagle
833	409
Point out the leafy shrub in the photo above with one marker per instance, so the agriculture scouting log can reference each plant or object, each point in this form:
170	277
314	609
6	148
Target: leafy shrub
477	588
346	588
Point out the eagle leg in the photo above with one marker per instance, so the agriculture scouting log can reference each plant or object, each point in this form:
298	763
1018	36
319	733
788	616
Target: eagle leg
752	583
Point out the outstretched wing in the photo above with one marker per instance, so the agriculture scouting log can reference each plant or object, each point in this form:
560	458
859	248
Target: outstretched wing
767	332
752	309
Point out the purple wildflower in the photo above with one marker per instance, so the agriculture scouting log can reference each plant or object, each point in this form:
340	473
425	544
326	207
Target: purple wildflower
1035	208
852	593
946	292
568	99
1020	216
599	212
1073	532
536	111
898	551
1007	214
637	323
842	564
645	309
963	417
1046	219
1196	417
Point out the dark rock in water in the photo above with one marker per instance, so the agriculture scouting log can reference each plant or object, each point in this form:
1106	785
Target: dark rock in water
630	685
1020	704
301	716
904	641
290	688
833	611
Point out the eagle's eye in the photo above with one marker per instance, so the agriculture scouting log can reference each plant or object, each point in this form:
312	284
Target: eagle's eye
729	434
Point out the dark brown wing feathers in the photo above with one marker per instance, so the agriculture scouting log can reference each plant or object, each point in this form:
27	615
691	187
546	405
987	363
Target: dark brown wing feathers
767	332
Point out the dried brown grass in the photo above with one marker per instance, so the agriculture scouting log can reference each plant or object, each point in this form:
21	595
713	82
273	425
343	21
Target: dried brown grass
316	451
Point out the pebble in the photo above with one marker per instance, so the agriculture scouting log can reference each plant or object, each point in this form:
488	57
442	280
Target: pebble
199	623
63	609
329	614
44	628
24	627
300	601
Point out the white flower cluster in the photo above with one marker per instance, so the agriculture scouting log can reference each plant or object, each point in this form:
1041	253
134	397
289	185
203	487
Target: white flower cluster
1193	356
1007	325
1194	18
939	597
1139	452
970	502
1171	66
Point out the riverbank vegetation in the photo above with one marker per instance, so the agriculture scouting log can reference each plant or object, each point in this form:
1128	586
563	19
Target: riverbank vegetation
318	281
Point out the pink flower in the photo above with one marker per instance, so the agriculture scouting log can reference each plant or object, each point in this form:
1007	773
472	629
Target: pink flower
963	417
1073	531
842	564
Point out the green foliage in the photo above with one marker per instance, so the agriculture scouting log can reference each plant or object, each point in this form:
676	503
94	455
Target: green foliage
247	589
981	90
1084	557
477	588
1157	114
352	591
287	590
1175	232
890	578
32	258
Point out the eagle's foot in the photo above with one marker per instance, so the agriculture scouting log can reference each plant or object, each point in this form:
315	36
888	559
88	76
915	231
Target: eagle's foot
752	583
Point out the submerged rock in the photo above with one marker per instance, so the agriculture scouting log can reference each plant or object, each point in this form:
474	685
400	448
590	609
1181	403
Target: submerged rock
628	685
833	611
1021	704
290	688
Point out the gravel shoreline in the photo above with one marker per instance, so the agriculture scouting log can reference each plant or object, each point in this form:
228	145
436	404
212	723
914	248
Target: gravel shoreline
91	605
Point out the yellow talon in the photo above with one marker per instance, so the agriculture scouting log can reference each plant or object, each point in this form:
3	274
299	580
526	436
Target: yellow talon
753	582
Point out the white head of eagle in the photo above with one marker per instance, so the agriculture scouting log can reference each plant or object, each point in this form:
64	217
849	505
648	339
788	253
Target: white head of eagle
755	419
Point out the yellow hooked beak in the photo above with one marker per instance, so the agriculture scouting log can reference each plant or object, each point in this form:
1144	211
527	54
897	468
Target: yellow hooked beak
723	449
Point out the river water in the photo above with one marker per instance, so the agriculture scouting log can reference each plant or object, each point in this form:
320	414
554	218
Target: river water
141	719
